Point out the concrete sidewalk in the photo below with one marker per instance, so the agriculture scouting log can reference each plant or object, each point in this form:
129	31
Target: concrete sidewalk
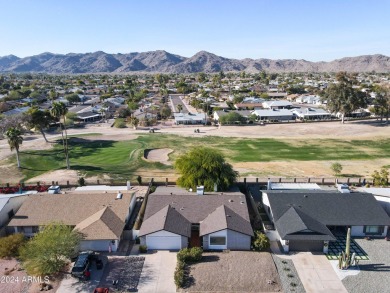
157	273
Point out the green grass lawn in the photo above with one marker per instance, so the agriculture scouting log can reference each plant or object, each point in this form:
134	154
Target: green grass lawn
122	159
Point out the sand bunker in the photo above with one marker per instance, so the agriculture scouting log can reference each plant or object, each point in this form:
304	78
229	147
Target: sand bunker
158	155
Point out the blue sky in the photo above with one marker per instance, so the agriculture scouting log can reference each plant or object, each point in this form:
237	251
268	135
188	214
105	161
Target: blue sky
299	29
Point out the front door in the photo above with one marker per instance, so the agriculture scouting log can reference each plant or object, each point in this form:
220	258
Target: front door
195	239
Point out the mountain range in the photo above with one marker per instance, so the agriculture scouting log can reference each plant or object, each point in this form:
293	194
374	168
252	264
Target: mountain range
163	62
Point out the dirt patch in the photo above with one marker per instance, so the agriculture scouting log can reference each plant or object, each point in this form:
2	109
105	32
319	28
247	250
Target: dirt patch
57	175
10	174
236	271
158	155
355	168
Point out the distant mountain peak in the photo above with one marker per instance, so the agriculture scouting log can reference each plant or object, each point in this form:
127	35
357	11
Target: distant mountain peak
165	62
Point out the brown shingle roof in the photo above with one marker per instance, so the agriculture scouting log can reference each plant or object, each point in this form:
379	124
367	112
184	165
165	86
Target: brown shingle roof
167	219
104	224
196	208
71	209
224	218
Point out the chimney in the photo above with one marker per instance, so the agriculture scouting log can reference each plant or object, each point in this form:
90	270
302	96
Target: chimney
119	195
200	190
269	184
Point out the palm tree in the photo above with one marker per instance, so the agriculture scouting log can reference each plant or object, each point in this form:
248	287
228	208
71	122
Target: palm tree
15	139
59	111
180	108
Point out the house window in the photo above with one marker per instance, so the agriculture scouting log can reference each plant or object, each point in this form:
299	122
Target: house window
217	240
373	230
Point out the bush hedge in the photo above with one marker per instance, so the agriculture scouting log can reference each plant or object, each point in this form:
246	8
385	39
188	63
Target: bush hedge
184	256
179	275
9	246
193	254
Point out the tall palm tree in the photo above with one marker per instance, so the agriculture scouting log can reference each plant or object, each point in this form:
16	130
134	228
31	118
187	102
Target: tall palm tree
59	111
15	139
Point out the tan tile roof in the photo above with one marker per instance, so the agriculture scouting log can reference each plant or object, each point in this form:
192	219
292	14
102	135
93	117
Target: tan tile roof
85	209
104	224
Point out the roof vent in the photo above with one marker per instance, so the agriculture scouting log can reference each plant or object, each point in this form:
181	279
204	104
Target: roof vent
230	200
119	195
241	202
305	195
182	209
200	190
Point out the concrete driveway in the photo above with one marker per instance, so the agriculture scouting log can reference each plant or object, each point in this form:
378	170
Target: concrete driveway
157	273
316	273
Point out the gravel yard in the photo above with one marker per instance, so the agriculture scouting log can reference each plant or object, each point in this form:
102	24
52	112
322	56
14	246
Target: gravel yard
127	270
288	275
235	271
374	274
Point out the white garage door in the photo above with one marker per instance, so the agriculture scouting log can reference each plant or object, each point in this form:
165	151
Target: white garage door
163	242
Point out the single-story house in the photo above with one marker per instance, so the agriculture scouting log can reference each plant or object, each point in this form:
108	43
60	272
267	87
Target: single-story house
277	104
189	118
274	114
308	220
176	218
311	113
9	205
99	216
16	111
248	105
309	99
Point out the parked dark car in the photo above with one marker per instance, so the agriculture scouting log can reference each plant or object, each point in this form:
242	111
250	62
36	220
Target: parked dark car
82	264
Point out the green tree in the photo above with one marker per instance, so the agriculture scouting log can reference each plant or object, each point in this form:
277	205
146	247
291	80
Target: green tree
232	118
132	106
165	112
336	168
342	97
58	111
39	120
73	98
381	178
261	241
179	108
202	77
9	246
382	102
15	139
48	251
204	166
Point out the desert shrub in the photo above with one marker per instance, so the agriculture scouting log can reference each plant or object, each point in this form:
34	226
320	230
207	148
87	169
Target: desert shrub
120	123
261	241
9	245
81	181
143	248
193	254
179	275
